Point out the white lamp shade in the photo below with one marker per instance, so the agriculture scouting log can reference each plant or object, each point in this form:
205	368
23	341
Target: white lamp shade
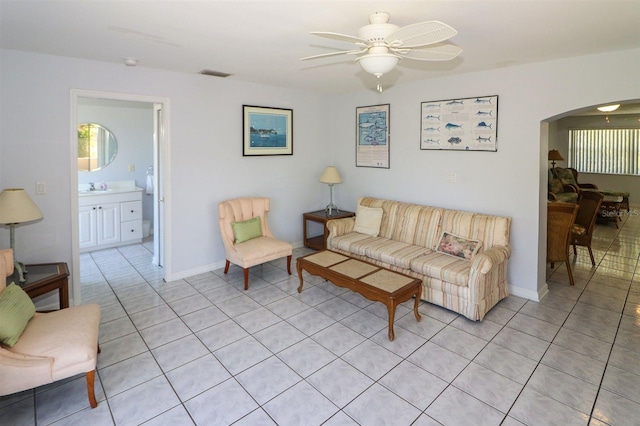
378	63
16	207
330	175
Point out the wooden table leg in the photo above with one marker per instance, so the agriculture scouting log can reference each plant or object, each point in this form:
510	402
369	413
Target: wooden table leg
391	307
417	303
299	268
64	294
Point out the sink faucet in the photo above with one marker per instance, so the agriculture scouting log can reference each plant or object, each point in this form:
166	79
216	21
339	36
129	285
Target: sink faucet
92	186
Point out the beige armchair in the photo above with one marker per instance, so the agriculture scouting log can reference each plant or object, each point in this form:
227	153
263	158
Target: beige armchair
53	346
254	251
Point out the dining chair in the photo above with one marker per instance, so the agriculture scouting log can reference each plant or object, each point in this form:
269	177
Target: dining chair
560	220
582	231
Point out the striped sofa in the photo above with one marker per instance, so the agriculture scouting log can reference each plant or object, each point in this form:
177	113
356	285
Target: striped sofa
407	241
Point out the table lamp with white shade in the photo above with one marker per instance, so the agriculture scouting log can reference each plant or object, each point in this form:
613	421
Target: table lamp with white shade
16	207
331	176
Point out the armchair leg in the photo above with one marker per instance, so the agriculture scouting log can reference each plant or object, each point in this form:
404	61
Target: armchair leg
246	278
575	250
226	267
289	264
90	388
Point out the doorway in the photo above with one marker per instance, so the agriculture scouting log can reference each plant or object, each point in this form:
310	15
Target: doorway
147	168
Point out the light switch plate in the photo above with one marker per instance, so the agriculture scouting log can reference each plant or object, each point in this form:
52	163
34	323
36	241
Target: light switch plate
41	188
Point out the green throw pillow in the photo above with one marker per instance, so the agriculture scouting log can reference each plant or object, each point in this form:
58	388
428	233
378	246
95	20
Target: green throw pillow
244	231
16	309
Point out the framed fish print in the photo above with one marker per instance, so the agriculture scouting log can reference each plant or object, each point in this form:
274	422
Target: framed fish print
267	131
467	124
372	136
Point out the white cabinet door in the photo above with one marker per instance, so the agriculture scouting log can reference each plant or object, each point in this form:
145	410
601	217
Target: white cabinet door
87	226
108	223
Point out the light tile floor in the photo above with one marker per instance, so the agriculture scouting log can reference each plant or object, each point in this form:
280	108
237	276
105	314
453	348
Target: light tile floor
203	351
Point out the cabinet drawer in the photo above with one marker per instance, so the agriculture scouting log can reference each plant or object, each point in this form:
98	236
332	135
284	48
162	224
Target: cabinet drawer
130	210
131	230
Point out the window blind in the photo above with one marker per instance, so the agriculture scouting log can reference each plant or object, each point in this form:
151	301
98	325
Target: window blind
605	151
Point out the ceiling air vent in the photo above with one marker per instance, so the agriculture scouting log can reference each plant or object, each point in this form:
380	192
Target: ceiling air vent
215	73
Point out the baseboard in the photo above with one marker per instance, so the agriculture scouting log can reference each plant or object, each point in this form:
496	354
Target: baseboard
528	294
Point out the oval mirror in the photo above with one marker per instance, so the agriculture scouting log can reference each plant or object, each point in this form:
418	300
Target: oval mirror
97	147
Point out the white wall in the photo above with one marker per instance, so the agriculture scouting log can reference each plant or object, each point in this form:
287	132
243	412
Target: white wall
207	164
511	181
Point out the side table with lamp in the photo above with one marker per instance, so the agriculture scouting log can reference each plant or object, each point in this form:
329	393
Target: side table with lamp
16	207
331	177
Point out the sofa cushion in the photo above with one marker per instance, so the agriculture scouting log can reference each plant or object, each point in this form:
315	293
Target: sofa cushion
42	339
455	245
490	230
393	252
556	186
388	207
368	220
443	267
565	176
16	309
354	242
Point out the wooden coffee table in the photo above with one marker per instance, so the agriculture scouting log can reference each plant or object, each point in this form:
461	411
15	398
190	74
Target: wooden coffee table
610	209
369	280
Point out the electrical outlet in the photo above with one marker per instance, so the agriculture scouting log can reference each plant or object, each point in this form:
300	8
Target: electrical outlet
451	178
132	167
41	188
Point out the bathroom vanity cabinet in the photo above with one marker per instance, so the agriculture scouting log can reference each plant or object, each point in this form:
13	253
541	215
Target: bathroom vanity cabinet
109	218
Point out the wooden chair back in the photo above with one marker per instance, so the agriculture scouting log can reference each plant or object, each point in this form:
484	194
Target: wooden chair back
560	220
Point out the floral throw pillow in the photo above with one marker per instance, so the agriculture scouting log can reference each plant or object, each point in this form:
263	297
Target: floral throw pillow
457	246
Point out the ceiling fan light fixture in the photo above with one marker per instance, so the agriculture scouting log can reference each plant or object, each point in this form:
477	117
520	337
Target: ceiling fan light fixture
609	108
378	63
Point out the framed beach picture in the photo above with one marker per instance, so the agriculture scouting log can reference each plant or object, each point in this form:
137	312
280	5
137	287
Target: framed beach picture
267	131
466	124
372	136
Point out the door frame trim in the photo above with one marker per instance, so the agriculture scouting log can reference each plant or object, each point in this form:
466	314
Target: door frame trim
164	158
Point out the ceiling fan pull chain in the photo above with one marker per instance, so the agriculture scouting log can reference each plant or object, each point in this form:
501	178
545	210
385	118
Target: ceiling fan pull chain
379	87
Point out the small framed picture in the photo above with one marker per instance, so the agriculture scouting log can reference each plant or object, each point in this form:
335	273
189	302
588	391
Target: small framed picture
372	136
267	131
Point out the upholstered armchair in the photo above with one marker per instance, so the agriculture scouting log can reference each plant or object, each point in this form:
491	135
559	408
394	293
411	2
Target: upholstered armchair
565	193
570	176
49	347
246	236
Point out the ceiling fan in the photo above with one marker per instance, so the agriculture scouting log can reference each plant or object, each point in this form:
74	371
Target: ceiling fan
383	44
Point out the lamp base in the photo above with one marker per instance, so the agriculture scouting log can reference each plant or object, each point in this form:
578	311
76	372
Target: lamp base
19	266
331	208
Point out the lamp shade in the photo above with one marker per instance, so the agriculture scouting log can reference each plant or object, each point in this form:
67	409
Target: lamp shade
16	207
378	63
330	175
554	155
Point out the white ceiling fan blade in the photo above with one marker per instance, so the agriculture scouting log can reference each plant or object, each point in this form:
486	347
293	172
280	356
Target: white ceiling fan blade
341	52
444	52
420	34
341	37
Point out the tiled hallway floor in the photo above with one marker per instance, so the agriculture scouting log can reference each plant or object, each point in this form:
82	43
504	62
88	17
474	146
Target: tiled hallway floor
203	351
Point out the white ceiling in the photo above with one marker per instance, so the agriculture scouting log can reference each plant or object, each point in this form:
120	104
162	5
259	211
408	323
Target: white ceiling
262	41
